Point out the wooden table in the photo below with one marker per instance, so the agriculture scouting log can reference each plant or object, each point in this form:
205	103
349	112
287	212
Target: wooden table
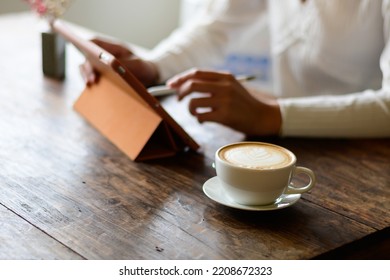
68	193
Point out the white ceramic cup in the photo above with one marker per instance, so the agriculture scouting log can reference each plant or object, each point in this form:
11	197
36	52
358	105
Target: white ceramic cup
257	173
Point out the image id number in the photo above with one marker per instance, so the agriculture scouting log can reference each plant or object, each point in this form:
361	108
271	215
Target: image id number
242	270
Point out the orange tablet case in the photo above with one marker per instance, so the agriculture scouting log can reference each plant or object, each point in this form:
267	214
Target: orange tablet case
121	108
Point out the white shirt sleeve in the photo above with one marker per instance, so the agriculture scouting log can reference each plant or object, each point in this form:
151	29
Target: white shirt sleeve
361	114
364	114
203	43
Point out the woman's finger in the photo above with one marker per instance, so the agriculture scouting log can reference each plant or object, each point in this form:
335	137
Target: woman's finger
215	88
210	116
202	104
198	74
88	74
115	49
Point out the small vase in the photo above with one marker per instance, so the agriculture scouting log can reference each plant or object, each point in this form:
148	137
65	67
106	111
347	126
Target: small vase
53	55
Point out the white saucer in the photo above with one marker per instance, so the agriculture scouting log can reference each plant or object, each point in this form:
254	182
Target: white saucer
213	190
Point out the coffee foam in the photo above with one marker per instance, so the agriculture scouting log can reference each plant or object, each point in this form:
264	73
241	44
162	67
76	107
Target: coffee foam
256	156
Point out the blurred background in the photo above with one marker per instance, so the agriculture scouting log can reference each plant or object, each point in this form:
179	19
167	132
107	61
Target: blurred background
147	22
142	22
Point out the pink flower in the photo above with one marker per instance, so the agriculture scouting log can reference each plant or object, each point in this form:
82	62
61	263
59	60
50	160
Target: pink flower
48	8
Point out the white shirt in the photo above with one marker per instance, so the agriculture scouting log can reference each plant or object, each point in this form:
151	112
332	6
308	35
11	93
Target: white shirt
331	60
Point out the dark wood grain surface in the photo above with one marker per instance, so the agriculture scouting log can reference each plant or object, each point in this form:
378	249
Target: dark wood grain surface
68	193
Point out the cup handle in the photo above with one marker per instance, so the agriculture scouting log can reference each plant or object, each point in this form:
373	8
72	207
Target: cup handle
309	173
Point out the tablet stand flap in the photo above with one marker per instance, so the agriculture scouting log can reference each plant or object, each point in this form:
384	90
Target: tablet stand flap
129	124
160	145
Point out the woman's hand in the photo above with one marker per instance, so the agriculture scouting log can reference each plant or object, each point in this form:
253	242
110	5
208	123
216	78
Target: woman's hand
144	70
226	101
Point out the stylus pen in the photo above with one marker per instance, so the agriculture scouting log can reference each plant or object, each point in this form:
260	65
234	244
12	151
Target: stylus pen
164	90
244	78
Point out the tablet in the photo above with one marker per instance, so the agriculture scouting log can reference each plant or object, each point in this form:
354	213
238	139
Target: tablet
122	109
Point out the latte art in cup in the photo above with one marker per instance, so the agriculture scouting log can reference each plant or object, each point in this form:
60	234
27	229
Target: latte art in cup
256	156
258	173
